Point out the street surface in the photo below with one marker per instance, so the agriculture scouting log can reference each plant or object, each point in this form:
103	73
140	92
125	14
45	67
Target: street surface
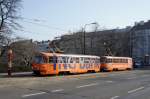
133	84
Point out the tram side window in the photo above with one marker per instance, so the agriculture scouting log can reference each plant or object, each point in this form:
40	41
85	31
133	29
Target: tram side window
117	60
38	59
74	60
97	60
45	59
50	59
71	60
53	59
123	60
64	59
109	60
120	60
103	60
59	60
86	60
93	60
89	60
114	60
77	60
67	59
81	60
126	61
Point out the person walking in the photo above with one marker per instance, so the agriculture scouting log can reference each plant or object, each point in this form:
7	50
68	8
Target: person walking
10	57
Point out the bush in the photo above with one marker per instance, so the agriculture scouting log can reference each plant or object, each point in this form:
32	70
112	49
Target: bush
22	68
3	68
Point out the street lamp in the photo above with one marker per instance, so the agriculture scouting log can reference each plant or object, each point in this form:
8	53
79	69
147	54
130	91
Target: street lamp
84	35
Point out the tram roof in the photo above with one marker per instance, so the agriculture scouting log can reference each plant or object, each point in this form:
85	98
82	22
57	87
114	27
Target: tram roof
117	57
69	55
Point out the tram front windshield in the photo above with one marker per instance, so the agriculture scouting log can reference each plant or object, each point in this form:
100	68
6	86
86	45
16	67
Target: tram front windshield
38	59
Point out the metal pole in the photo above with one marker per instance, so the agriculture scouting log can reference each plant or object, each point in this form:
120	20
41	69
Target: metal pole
92	38
84	41
84	46
130	43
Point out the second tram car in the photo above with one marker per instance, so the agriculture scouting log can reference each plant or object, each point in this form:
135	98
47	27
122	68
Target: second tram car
110	63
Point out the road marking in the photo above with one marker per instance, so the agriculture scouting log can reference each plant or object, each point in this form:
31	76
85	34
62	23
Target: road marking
114	97
109	81
28	95
58	90
104	75
132	78
144	75
92	84
112	75
131	91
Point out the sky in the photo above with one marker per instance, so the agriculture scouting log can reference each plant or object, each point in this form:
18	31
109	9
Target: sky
47	19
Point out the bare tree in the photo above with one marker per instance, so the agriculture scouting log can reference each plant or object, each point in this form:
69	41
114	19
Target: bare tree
23	52
8	15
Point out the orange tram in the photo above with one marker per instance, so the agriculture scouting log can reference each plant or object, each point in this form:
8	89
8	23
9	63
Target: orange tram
56	63
110	63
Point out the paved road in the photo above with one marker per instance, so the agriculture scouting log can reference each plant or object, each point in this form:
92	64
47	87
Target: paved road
109	85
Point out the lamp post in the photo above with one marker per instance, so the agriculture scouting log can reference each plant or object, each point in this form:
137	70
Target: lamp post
84	47
92	52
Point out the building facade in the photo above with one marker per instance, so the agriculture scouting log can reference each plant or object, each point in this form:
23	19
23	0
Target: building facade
140	43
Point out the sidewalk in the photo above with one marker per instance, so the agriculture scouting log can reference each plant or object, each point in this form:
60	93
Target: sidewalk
17	74
143	68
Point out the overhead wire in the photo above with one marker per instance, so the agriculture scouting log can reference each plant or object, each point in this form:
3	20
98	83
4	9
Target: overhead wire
36	22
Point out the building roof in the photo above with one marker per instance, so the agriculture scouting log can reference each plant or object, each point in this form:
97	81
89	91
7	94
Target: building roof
69	55
117	57
142	25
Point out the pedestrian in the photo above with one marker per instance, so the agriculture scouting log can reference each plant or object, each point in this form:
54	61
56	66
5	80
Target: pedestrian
10	57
